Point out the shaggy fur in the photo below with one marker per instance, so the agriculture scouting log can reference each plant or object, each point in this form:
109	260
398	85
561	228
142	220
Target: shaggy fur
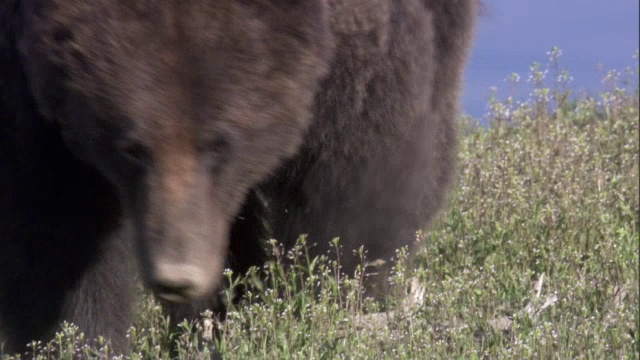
142	132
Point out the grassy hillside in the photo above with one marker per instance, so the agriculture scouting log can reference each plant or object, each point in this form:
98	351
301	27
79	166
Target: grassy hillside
536	257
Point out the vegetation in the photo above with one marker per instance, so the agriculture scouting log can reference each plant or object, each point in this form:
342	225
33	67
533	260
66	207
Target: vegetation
536	257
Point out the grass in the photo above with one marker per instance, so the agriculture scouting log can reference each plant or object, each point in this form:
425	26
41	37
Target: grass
536	256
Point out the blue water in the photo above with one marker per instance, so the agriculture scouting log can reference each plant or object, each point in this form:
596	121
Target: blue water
512	34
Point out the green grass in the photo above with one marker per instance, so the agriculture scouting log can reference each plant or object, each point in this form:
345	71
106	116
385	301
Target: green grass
536	256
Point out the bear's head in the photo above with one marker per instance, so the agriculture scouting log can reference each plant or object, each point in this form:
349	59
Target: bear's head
183	106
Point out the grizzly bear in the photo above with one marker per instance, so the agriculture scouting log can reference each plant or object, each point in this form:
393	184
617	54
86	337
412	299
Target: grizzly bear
158	135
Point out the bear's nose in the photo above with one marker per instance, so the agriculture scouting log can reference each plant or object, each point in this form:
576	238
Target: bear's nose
177	293
179	283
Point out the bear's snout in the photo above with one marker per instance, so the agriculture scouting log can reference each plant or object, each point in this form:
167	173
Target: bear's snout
183	260
183	236
179	283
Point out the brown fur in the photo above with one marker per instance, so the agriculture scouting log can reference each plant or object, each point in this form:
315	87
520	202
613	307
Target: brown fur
159	121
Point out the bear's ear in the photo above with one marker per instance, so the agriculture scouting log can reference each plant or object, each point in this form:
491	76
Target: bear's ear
45	80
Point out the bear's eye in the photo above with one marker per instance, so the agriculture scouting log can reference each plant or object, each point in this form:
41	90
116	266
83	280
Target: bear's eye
135	152
216	152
